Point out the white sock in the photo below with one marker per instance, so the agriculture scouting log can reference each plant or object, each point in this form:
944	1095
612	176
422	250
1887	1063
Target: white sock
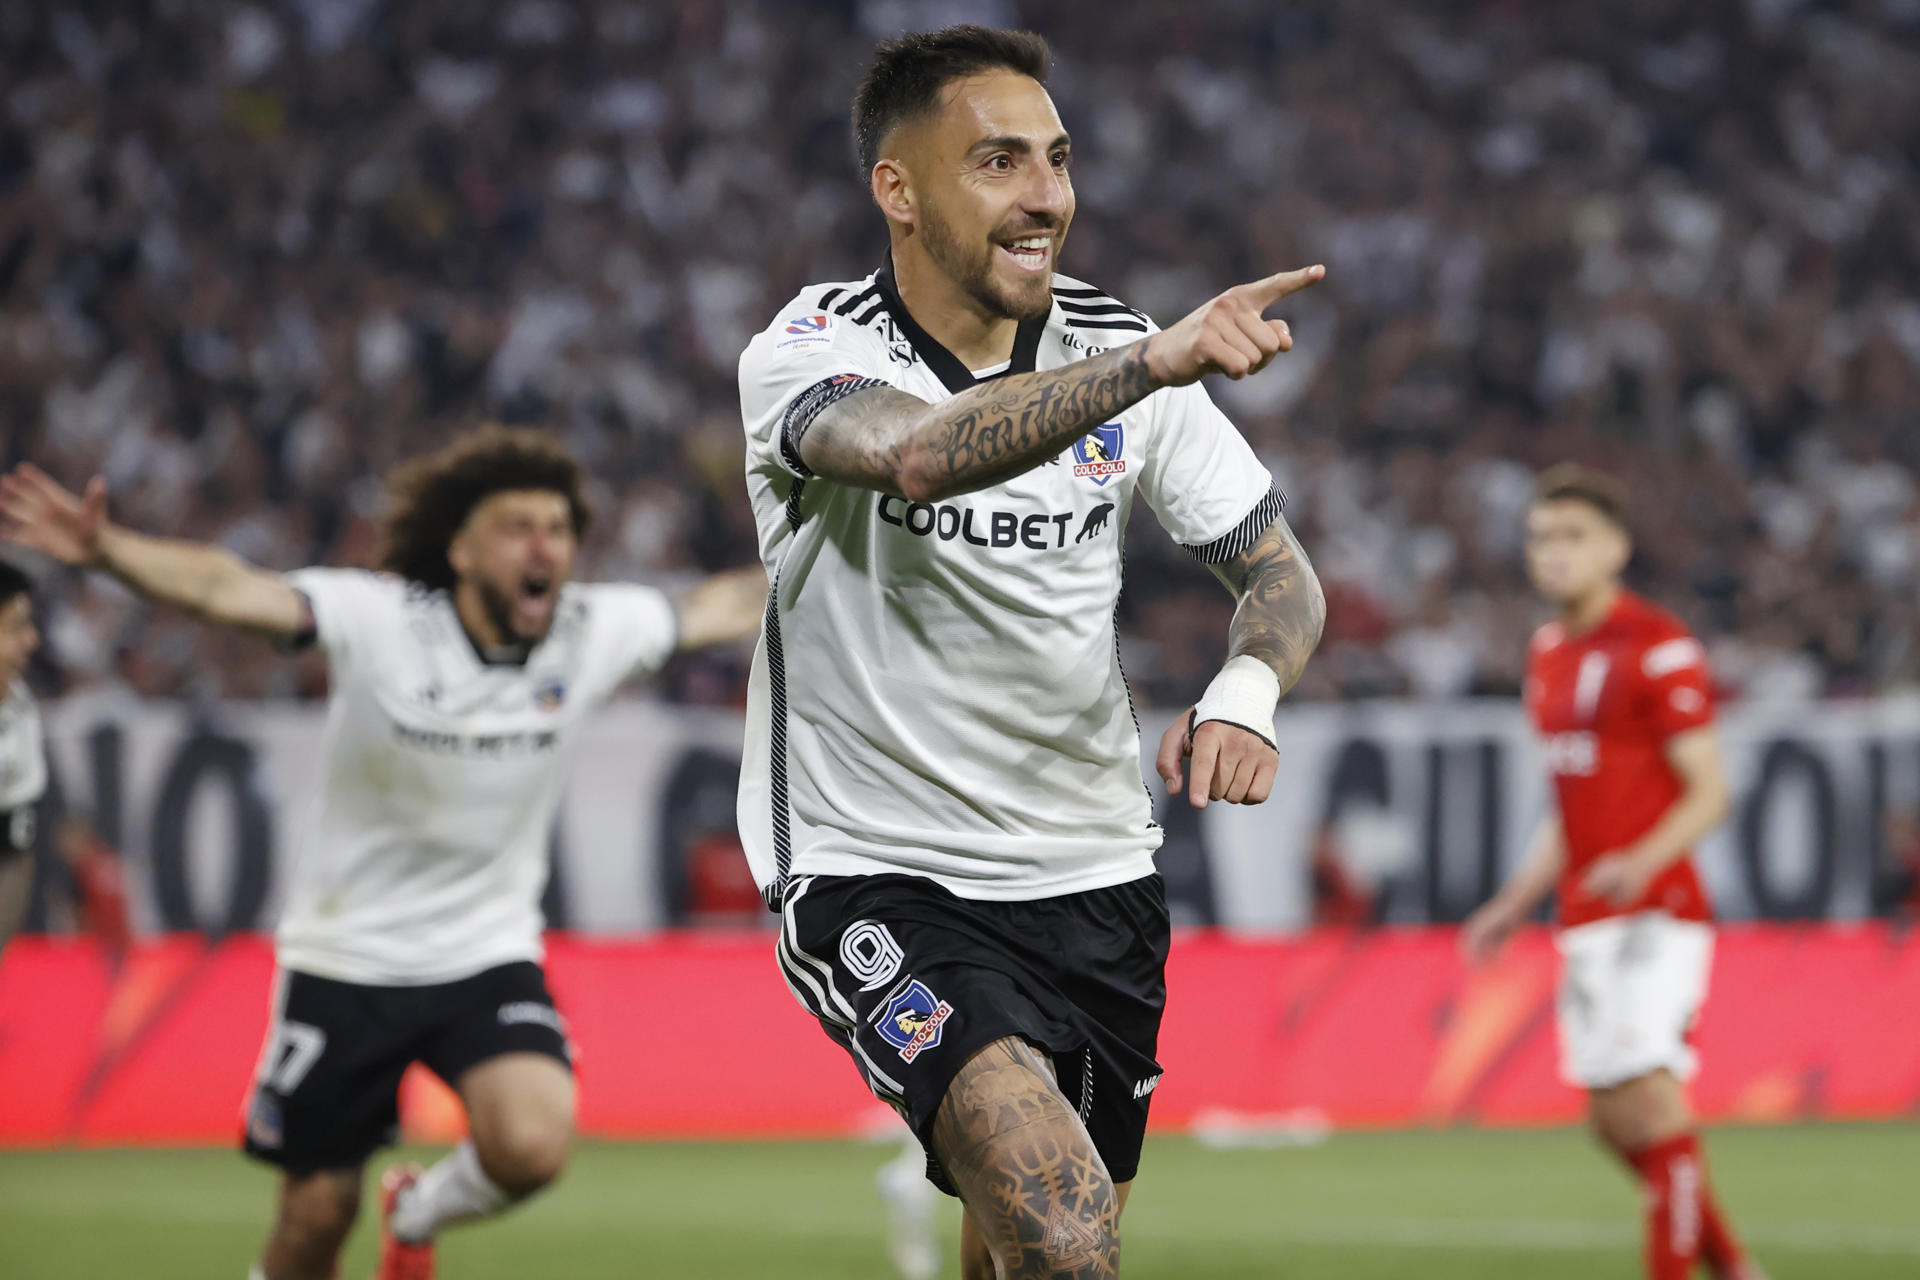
455	1190
255	1273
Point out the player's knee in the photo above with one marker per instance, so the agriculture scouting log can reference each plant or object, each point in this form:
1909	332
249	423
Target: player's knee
527	1155
317	1211
1079	1236
1087	1248
1601	1131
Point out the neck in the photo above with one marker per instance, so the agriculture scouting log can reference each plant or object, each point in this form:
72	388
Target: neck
1585	612
479	625
951	316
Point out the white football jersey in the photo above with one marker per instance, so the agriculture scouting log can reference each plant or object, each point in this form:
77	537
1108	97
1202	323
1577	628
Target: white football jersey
938	687
425	854
23	767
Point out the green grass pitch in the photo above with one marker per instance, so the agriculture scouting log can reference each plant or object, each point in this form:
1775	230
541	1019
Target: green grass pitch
1834	1202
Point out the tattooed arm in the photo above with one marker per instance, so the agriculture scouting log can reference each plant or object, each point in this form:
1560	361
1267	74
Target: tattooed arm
1282	611
883	438
1282	608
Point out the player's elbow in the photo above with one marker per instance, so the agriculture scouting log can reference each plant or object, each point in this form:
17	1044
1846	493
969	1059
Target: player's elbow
1316	607
221	586
918	480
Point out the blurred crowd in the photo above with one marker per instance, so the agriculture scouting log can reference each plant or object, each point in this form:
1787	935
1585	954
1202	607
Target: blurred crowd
252	254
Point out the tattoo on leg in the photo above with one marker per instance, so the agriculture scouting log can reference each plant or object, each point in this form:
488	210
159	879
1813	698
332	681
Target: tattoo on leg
1026	1167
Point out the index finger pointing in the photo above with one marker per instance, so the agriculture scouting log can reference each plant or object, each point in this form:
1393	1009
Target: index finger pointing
1264	293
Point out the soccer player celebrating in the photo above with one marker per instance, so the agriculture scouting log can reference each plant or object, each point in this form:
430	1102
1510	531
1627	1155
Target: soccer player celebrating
941	791
1620	694
411	931
23	763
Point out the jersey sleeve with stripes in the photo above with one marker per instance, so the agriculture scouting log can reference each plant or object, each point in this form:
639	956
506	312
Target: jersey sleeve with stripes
809	358
1203	480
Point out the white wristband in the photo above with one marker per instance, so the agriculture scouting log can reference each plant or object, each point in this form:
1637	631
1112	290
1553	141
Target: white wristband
1244	693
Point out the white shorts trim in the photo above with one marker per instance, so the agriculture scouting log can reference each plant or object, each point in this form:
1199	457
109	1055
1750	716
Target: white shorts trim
1630	990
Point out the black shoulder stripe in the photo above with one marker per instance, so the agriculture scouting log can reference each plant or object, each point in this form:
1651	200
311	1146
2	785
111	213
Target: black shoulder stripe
853	304
866	317
808	405
1089	301
1130	325
1243	535
1106	307
826	299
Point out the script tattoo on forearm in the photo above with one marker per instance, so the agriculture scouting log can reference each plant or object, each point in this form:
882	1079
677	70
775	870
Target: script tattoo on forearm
1026	1168
986	434
1008	426
1282	608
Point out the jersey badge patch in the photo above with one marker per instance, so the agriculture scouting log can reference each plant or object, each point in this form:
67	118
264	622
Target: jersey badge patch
803	329
263	1122
1096	455
550	694
910	1019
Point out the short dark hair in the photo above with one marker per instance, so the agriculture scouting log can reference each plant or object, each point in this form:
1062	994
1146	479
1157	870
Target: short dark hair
13	582
1571	482
909	71
430	498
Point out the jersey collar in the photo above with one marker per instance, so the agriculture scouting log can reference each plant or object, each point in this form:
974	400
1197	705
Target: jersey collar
506	655
949	368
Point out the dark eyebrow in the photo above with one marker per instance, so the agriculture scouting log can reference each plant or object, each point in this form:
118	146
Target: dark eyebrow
1019	146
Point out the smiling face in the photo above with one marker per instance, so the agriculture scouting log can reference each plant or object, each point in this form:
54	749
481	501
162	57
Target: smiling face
980	186
512	556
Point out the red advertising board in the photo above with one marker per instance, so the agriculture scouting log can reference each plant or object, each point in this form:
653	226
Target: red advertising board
686	1035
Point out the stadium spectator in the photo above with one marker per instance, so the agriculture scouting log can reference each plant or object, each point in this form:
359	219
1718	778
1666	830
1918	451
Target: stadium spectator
250	255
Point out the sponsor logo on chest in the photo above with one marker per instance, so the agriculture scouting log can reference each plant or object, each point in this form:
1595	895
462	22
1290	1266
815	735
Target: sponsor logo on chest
987	527
1573	755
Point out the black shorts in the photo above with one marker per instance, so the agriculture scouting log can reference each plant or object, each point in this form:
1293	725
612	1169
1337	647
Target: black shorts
326	1095
913	981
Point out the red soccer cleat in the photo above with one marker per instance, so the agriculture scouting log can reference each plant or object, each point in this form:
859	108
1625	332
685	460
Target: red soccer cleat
400	1260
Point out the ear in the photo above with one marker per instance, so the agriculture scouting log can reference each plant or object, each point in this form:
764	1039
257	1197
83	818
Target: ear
893	192
459	554
1623	552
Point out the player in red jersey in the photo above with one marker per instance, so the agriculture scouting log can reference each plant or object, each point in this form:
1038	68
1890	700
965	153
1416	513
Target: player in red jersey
1620	694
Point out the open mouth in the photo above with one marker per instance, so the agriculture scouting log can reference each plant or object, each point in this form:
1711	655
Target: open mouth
1029	253
537	592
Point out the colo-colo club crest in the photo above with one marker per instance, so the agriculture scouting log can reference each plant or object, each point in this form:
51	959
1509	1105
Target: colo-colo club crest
1096	455
910	1019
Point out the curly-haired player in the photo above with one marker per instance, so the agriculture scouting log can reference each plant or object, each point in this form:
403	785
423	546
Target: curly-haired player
461	674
